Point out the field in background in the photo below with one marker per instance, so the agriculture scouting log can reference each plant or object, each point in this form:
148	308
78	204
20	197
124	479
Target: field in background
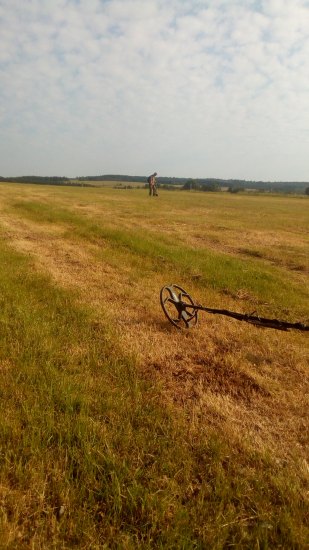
118	431
111	184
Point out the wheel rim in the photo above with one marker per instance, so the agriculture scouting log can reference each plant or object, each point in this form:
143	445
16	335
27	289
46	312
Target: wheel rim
176	302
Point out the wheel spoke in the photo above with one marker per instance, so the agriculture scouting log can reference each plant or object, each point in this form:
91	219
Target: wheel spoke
174	297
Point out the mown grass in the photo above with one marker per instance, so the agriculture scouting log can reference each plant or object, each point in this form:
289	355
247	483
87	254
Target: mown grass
89	458
208	268
92	456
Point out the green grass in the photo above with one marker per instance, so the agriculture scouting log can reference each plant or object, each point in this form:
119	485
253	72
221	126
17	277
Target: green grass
82	433
210	269
91	455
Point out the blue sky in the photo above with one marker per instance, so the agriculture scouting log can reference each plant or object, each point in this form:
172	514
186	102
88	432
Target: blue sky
193	88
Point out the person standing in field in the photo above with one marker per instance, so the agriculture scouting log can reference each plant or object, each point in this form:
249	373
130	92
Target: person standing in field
152	185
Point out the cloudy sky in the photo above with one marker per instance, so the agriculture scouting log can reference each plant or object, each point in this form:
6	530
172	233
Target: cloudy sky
192	88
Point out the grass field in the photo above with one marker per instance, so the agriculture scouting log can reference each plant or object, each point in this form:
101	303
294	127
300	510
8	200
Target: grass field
117	430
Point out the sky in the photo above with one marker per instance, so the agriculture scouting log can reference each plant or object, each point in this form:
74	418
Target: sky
186	88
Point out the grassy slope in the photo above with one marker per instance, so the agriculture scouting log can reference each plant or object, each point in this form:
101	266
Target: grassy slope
92	452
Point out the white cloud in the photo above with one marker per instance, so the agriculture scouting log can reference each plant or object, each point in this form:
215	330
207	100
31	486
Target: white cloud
194	88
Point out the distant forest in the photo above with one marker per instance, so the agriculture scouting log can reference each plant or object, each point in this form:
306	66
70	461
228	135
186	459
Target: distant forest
200	184
213	184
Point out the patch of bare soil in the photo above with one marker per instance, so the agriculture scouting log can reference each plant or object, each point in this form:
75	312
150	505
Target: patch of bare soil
208	371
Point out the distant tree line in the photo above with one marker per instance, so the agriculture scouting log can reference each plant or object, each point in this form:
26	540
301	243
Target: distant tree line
43	180
198	184
236	186
207	184
37	179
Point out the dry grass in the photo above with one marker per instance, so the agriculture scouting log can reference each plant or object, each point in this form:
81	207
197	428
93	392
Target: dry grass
250	385
220	359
